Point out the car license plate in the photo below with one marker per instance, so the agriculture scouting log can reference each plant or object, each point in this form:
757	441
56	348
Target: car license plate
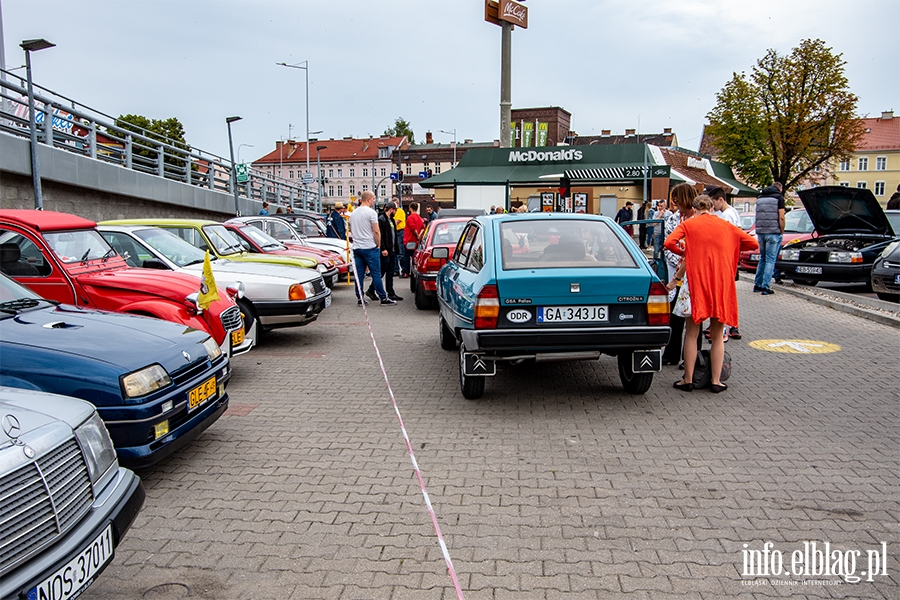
202	393
237	337
327	301
571	314
72	579
754	257
809	270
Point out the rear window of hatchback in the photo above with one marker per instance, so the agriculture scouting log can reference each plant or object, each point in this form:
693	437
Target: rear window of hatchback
559	243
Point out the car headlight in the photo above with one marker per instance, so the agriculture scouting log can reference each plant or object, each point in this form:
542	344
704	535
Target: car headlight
790	254
148	379
309	289
845	257
321	268
212	348
890	248
96	446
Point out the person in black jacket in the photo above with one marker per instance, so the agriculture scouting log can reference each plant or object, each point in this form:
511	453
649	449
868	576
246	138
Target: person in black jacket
388	251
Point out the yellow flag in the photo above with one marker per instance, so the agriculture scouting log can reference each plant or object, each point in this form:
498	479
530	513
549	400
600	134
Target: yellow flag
209	293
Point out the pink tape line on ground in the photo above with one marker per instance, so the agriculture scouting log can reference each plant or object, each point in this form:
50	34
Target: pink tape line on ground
412	455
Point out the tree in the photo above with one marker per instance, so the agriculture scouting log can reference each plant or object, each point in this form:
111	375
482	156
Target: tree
790	115
401	127
168	131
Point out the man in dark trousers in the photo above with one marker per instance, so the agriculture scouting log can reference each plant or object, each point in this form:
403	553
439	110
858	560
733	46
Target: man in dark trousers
626	214
388	252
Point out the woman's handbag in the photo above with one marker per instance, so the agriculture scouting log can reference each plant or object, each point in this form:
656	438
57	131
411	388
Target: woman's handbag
702	378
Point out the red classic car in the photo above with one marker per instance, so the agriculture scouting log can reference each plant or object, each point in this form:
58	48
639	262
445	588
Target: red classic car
797	228
437	245
330	264
63	257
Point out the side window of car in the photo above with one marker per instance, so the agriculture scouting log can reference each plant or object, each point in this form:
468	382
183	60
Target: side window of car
20	257
191	236
280	231
126	248
464	246
476	254
258	224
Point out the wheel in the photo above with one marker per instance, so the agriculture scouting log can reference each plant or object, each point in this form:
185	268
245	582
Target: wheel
888	297
634	383
422	303
809	282
472	387
448	340
412	283
249	316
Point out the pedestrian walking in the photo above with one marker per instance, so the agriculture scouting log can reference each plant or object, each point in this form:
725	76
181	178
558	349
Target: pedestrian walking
388	253
682	196
769	232
711	250
265	208
642	228
337	226
626	214
412	235
366	248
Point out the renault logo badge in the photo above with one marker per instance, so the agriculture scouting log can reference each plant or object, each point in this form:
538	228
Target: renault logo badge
186	356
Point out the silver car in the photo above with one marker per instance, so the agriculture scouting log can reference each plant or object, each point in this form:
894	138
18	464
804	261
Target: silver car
273	296
66	501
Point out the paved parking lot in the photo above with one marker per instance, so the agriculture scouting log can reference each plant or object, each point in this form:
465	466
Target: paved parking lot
556	484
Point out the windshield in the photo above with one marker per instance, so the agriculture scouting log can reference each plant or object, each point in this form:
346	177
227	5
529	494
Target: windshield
78	246
171	246
894	219
798	221
555	243
15	297
224	241
446	233
261	238
747	222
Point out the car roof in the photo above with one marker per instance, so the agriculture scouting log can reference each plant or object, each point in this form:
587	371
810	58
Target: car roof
162	222
46	220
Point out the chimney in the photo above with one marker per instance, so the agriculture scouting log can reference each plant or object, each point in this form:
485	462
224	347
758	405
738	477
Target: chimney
278	144
428	138
467	141
629	132
887	115
667	131
605	132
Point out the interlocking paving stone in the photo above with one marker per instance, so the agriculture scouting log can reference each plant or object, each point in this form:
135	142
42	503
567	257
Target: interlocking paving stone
556	484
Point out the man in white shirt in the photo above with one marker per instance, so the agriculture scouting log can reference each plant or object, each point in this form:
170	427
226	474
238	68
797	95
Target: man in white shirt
725	211
366	248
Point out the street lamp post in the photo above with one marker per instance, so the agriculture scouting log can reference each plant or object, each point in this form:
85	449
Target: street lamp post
239	149
30	46
453	133
319	176
305	67
237	206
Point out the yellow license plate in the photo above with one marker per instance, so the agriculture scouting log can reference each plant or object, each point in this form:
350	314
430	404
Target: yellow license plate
237	337
202	393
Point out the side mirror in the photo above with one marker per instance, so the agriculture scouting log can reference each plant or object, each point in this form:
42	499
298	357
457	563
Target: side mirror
440	253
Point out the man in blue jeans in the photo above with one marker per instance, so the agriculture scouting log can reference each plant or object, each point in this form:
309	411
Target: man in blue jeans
367	248
769	232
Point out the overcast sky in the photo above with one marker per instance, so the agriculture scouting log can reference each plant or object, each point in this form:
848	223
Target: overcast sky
614	65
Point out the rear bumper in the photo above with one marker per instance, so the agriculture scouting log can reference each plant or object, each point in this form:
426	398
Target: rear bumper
609	340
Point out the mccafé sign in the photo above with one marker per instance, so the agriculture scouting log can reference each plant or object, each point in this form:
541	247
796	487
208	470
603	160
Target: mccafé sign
513	12
544	156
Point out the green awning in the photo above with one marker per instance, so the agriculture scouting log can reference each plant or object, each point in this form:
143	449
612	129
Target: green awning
724	172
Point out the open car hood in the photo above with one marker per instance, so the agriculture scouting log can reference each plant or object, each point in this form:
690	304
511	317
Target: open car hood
835	209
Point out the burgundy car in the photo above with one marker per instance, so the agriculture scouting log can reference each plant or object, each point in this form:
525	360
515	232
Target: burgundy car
437	245
797	228
63	257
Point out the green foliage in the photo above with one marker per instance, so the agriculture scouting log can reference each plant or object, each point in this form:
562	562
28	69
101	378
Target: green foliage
168	131
790	115
401	127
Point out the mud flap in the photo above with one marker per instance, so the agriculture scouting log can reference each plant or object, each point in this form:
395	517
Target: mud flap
476	365
646	361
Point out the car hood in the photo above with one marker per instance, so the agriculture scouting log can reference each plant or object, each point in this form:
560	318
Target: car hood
127	341
174	286
53	409
229	271
844	210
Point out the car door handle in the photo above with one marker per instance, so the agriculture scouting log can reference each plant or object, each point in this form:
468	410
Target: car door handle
455	275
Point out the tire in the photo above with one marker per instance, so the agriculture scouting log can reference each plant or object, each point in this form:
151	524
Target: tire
888	297
472	387
422	303
634	383
809	282
249	318
412	283
448	340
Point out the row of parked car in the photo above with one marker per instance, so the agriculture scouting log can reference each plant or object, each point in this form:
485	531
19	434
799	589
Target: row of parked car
841	234
89	385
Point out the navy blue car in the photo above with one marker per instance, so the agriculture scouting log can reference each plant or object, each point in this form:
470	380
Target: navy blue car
157	385
548	287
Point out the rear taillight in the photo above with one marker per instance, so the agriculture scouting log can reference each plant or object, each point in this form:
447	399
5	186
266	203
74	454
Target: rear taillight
658	304
487	308
433	265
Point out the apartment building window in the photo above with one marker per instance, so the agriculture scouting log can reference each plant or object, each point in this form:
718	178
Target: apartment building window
365	187
408	169
352	189
340	190
881	163
352	172
330	173
879	188
383	191
340	172
861	185
331	190
845	165
816	169
291	174
863	164
845	184
365	172
437	168
383	172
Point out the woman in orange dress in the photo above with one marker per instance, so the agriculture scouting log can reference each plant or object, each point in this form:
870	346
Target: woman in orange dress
712	247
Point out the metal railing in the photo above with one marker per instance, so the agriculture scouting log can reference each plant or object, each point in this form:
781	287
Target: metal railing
76	128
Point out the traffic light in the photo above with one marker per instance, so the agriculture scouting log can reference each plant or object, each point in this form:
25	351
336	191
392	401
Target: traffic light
399	175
